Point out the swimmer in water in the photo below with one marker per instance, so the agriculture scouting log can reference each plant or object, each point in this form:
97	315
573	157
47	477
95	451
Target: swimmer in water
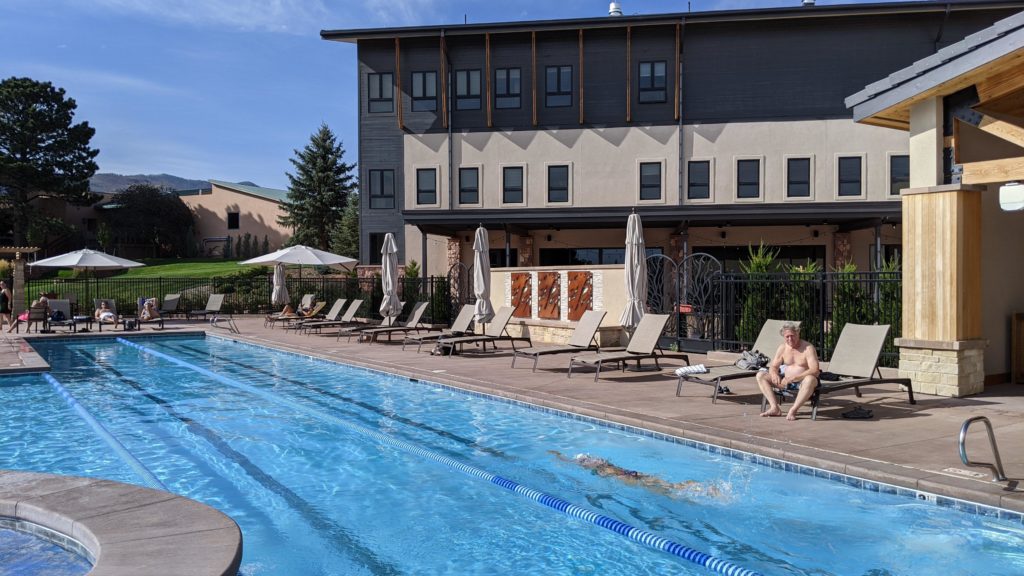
606	469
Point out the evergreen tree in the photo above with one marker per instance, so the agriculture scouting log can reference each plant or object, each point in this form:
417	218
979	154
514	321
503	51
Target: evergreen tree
266	245
153	217
42	153
318	192
345	236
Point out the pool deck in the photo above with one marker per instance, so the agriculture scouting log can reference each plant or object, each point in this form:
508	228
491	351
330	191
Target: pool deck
911	446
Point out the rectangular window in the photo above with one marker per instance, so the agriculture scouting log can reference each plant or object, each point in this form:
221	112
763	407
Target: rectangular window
426	186
650	180
498	257
506	88
380	93
698	180
899	174
558	183
558	88
512	185
424	91
469	186
849	173
382	189
376	245
748	178
232	220
652	82
798	178
467	89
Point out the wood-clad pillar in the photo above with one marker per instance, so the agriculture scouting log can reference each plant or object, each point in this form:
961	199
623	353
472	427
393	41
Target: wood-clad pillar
942	349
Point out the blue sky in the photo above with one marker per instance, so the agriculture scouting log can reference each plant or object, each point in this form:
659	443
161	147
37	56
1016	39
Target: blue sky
228	89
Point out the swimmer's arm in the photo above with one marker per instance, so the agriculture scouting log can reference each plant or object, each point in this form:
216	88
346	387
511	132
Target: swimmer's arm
559	455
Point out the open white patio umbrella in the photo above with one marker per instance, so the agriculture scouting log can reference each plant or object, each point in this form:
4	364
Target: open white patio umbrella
390	306
86	259
635	273
299	254
279	297
482	277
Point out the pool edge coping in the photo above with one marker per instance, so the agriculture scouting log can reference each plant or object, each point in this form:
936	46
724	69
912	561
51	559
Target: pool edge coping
166	532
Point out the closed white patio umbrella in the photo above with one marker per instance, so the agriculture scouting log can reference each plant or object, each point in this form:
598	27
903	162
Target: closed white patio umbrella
279	297
484	312
390	306
635	267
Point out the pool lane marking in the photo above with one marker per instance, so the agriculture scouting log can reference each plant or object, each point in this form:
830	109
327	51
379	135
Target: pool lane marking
641	536
147	477
337	535
390	414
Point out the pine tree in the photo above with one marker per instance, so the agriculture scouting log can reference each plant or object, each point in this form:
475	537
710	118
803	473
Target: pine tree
345	236
318	193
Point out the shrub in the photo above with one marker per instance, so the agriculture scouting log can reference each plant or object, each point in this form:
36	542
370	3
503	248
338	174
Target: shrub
756	298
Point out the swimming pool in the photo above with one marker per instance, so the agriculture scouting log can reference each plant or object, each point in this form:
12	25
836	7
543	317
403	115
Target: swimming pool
331	470
27	554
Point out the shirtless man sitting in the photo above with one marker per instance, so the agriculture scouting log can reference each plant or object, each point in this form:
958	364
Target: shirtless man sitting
795	365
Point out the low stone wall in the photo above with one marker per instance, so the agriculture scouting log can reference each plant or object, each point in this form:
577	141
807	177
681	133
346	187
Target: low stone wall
944	368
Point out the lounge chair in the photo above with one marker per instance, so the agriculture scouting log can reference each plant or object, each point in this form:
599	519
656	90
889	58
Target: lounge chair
855	362
112	305
347	318
169	306
213	306
495	330
356	328
302	313
643	345
584	337
332	315
411	324
64	307
460	326
158	320
767	343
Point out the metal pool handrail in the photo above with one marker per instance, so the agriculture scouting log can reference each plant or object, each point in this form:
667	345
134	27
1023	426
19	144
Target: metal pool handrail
997	469
635	534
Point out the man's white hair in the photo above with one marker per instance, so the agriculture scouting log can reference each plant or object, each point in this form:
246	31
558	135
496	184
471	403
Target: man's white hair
789	327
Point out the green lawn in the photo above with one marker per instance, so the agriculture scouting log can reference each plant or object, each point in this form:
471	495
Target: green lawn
174	267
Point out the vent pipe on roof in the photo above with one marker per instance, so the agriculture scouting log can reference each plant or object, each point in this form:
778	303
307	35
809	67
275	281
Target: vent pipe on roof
808	3
615	9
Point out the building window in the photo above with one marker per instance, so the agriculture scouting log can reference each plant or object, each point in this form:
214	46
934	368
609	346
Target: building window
376	245
467	89
380	93
506	88
650	180
652	82
512	185
849	173
469	186
798	178
748	178
426	186
424	91
698	180
899	174
382	189
232	220
558	89
498	260
558	183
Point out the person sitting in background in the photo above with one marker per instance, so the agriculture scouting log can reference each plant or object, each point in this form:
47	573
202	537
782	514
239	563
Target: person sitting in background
287	311
42	302
149	311
104	314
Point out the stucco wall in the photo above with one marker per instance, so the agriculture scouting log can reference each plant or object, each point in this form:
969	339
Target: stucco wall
1002	281
257	216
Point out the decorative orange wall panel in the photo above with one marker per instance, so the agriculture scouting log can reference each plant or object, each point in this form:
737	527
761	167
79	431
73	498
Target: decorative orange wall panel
549	295
581	294
522	295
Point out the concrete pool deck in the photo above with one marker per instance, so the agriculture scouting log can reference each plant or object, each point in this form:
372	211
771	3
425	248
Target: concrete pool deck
911	446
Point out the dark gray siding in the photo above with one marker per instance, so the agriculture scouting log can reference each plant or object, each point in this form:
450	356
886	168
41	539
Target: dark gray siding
513	51
803	69
468	54
604	77
653	43
558	49
421	55
380	148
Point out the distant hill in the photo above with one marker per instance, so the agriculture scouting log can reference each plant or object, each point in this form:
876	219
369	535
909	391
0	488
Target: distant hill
110	182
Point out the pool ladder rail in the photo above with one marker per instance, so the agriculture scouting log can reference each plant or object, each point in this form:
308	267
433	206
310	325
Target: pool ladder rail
998	474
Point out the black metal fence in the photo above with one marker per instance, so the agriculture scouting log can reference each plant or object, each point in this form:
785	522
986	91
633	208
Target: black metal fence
249	295
822	302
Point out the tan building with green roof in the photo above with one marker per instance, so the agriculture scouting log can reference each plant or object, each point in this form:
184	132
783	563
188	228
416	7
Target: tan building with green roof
230	209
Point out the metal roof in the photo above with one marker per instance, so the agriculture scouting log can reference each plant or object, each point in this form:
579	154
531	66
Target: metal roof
268	193
1000	39
795	12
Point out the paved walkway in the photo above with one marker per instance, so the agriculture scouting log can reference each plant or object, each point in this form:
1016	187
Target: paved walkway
913	446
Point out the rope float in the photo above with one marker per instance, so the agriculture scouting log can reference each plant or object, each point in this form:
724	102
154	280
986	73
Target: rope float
641	536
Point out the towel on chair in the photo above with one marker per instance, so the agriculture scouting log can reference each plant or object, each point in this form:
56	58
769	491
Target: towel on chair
695	369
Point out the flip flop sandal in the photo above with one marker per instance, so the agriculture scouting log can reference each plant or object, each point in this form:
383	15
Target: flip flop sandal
858	413
724	390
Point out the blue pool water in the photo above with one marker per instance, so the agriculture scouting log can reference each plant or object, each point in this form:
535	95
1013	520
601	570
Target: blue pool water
330	470
25	554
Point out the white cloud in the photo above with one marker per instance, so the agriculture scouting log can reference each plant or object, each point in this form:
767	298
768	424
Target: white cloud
287	16
400	12
97	79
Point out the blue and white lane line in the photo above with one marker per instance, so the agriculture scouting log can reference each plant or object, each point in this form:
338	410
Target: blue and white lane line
147	477
636	534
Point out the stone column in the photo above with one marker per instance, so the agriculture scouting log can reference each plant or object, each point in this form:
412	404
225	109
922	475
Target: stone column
840	249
